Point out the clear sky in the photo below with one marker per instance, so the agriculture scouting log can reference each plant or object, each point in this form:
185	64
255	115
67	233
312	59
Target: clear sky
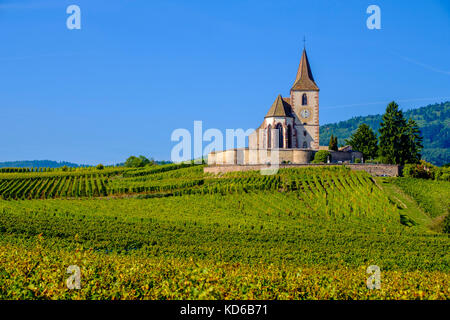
138	69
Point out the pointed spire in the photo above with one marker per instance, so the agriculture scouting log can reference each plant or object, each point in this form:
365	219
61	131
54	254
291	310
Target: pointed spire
305	79
279	108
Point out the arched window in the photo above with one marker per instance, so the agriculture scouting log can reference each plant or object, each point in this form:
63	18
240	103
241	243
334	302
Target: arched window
289	136
305	145
279	127
304	133
304	100
269	137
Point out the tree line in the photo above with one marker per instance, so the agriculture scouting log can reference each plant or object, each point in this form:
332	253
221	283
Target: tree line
400	140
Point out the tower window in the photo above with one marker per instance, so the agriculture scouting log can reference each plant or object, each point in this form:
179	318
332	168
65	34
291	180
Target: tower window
304	133
304	100
305	145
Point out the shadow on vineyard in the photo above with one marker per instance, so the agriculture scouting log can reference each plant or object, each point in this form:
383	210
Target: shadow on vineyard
174	232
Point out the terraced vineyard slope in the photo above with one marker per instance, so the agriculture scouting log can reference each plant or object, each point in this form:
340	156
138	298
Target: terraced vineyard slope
173	232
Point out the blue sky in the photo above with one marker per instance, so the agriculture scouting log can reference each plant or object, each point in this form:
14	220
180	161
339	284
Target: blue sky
139	69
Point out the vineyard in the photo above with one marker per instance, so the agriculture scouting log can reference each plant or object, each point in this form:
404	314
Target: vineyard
174	232
169	180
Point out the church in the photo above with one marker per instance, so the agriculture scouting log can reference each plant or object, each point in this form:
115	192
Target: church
289	132
295	119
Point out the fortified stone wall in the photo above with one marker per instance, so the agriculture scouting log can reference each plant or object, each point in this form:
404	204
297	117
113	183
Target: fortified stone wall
259	156
337	156
389	170
247	156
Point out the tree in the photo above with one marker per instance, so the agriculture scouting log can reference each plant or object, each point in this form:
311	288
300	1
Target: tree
136	162
400	141
364	140
133	162
415	145
393	138
146	161
321	156
333	145
100	166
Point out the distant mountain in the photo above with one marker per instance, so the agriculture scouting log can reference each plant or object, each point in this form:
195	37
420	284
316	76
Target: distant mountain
53	164
433	120
38	164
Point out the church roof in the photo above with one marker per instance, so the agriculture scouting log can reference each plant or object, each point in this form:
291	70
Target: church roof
305	79
280	108
287	100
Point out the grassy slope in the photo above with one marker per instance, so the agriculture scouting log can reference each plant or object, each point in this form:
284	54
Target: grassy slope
406	204
429	201
432	196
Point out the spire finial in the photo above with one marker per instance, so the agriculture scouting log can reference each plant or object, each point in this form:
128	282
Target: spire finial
304	42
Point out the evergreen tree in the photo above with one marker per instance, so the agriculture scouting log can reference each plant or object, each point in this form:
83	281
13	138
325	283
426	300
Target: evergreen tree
333	143
415	145
392	135
400	141
364	140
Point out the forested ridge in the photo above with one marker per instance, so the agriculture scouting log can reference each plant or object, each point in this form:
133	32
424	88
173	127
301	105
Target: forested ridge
433	121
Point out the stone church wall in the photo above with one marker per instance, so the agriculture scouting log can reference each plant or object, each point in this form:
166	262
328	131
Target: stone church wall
259	156
389	170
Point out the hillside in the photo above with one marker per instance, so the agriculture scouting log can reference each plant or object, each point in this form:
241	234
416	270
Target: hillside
37	164
433	120
174	232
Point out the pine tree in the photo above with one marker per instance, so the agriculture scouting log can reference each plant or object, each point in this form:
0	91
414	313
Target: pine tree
415	145
364	140
400	141
333	143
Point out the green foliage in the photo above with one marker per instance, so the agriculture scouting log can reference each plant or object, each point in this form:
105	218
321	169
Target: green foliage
35	269
364	140
321	156
304	233
137	162
333	144
317	209
432	196
422	170
100	167
414	145
392	137
400	141
446	228
432	120
425	170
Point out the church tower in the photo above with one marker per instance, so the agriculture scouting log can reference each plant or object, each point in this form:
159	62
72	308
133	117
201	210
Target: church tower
289	133
295	119
305	106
